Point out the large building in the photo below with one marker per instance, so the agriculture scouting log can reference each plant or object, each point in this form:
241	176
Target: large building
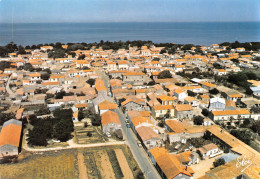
10	138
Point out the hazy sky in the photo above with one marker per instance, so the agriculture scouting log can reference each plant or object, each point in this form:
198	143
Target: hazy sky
129	10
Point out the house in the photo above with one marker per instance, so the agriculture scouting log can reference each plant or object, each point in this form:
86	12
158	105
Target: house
168	166
100	86
105	106
230	105
192	101
241	49
255	87
229	115
122	65
176	132
219	72
204	97
133	104
188	158
163	111
180	94
165	100
149	137
208	85
111	66
207	122
138	121
10	138
110	122
209	150
217	104
75	116
183	111
134	77
234	97
19	113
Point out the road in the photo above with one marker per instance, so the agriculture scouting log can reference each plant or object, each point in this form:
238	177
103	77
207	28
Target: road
139	153
8	90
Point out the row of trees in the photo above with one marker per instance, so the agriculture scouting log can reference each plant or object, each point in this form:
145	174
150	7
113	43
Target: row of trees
247	45
240	79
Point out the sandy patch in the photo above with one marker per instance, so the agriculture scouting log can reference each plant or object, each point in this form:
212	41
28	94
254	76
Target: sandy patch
82	167
104	165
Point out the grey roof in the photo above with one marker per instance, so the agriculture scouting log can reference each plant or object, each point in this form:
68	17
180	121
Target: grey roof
229	157
100	98
12	121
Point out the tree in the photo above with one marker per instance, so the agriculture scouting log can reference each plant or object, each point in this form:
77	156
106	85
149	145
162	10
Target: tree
80	115
187	47
33	119
219	162
28	67
45	76
82	57
214	91
163	51
243	134
21	50
59	95
96	120
63	130
165	74
41	132
5	117
64	125
256	127
36	137
198	120
156	59
151	83
191	93
57	53
205	112
234	60
91	81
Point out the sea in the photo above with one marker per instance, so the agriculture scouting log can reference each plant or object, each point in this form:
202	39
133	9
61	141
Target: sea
197	33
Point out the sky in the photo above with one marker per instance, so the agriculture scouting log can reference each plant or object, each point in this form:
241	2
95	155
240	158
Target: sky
40	11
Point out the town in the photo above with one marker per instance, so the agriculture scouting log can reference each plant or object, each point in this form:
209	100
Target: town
133	109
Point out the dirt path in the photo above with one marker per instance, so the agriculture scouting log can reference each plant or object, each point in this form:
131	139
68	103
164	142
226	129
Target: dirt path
82	167
103	162
123	164
72	145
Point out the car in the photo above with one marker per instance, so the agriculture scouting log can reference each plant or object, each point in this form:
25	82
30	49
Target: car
139	144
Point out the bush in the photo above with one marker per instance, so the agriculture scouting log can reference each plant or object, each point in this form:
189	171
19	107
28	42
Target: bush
214	91
164	74
219	162
198	120
89	134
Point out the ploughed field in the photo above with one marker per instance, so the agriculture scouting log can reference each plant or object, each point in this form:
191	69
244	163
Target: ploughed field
97	162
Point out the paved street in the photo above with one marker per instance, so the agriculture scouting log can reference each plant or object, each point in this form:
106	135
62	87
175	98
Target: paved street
140	155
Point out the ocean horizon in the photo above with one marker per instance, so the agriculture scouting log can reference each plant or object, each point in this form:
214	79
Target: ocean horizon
198	33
